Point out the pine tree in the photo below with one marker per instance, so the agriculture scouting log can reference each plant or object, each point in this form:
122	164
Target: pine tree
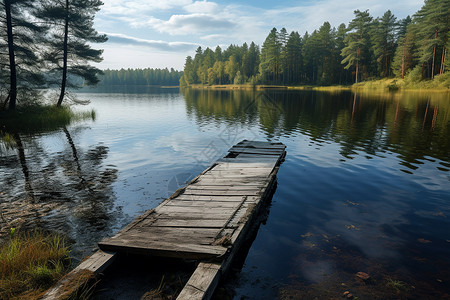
356	53
404	59
383	39
294	58
432	32
70	52
19	41
270	57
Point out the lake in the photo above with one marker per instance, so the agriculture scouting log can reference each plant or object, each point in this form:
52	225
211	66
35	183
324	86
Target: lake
365	186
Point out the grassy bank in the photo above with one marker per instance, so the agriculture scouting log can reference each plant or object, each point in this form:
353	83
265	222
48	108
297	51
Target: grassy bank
440	83
30	263
39	118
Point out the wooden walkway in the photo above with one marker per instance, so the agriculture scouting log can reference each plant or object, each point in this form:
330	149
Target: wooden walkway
209	218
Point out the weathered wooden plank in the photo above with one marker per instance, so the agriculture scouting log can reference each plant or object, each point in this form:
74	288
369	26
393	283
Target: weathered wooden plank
217	176
256	151
232	182
212	223
271	150
168	209
69	284
202	203
218	198
243	167
259	144
223	187
239	173
202	283
248	159
222	193
160	248
248	164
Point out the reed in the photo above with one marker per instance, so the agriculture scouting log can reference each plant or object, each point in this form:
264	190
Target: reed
30	263
39	118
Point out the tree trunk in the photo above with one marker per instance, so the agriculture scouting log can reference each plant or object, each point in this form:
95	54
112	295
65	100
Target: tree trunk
64	74
434	55
403	59
444	54
12	58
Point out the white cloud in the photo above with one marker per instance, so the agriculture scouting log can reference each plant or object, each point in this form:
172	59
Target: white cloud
203	7
193	24
158	23
118	38
140	7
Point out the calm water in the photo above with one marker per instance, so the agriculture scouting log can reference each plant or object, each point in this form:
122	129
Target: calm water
365	186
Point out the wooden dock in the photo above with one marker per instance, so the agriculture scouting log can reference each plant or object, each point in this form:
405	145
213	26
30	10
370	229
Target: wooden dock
208	219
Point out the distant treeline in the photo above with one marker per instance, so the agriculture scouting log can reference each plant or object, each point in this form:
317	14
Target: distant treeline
146	76
366	48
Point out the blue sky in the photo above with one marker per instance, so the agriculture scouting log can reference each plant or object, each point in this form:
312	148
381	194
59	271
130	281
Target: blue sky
161	33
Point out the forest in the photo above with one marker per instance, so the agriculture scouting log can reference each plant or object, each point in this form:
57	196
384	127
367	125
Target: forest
414	48
147	76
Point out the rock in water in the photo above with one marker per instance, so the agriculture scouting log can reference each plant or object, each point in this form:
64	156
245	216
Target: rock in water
363	276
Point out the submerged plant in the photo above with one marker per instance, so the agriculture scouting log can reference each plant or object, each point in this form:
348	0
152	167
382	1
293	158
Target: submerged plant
397	285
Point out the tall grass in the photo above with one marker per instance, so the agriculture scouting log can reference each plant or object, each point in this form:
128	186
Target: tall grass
39	118
30	263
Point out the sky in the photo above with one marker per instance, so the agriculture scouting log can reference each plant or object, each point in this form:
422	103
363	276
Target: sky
162	33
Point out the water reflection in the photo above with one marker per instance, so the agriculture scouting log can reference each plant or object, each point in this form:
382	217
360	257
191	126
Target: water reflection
68	191
413	125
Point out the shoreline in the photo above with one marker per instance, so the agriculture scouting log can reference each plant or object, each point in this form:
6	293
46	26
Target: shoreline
388	85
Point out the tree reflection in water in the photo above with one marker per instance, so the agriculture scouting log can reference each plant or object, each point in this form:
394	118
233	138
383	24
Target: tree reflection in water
69	191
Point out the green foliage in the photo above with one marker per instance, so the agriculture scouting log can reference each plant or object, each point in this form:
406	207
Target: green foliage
30	263
366	49
39	118
147	76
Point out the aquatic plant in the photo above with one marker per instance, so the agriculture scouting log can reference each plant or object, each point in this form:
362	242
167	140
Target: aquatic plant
38	118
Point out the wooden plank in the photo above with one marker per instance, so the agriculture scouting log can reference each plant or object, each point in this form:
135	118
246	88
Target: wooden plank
71	283
240	149
201	203
257	144
202	283
223	187
239	173
215	198
232	182
189	223
248	159
243	167
222	193
160	248
256	151
194	209
215	176
249	164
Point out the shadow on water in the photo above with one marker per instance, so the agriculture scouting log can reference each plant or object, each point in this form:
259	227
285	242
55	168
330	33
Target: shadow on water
69	192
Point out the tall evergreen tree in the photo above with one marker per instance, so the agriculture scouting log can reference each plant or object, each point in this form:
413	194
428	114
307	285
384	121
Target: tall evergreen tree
356	53
383	42
404	59
432	33
270	57
70	49
19	39
294	58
